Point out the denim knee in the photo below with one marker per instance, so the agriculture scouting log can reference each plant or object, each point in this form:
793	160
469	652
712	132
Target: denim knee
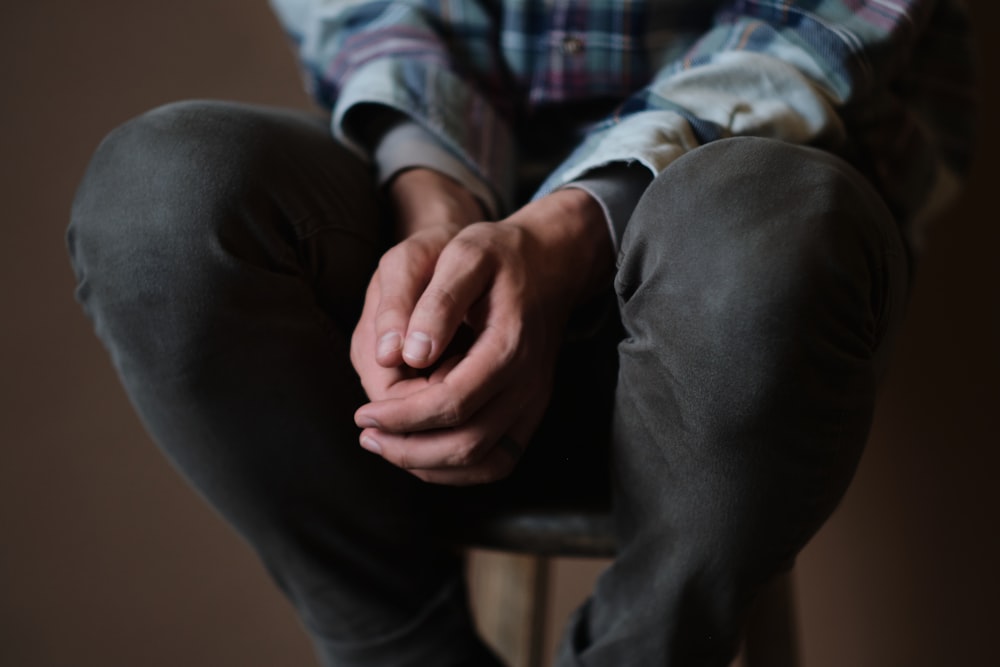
157	181
160	221
750	229
133	237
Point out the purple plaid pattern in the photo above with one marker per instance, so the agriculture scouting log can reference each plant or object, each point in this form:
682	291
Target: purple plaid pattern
896	73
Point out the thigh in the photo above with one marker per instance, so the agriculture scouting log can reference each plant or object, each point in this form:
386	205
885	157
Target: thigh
759	286
222	252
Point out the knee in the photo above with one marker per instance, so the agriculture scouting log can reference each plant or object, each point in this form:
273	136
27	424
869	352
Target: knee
742	227
136	203
759	197
178	136
139	175
197	179
180	156
195	209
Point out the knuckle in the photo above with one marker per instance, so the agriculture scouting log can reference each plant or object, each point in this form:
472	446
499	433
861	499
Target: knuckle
506	350
390	260
509	351
465	454
468	245
437	303
452	413
403	259
389	309
468	250
401	459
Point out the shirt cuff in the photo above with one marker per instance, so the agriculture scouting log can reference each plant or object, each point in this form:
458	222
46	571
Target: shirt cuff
404	144
617	187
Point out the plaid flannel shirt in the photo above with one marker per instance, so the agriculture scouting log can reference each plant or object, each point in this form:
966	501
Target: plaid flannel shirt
885	83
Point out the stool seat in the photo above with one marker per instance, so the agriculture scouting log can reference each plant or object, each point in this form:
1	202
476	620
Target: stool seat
572	533
512	587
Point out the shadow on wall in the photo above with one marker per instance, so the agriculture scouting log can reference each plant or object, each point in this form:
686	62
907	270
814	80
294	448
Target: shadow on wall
905	572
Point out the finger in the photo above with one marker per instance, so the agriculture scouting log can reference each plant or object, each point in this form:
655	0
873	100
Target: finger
403	273
497	465
461	277
375	379
485	449
411	381
428	450
477	378
398	382
445	448
418	453
500	460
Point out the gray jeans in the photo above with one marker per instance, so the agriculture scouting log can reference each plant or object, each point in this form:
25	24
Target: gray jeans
222	252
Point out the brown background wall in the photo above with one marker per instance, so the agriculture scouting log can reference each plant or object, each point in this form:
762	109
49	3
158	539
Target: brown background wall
108	560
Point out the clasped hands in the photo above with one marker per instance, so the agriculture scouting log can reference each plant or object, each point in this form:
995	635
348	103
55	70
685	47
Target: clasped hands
462	324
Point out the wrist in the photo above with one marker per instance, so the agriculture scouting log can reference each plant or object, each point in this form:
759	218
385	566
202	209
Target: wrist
423	198
571	231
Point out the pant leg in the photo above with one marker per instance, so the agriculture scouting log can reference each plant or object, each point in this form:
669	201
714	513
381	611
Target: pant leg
222	252
759	285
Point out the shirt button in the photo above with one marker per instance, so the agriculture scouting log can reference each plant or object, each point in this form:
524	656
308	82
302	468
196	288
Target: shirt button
572	46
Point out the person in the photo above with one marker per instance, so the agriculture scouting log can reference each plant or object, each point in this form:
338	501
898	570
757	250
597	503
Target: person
648	255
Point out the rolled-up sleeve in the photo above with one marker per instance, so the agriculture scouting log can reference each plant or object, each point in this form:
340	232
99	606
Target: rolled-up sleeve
442	72
822	73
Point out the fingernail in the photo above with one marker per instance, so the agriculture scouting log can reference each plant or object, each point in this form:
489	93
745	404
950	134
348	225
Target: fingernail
371	445
388	343
418	347
363	421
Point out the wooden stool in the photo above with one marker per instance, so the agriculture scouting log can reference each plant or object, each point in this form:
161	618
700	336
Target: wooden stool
510	590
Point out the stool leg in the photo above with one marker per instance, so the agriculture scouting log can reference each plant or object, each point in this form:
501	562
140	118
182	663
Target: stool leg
510	603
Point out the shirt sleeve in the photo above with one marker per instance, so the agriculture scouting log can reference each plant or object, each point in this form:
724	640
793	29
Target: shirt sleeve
834	74
403	144
444	73
617	188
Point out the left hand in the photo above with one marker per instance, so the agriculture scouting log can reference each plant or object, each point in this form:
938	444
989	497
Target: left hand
462	419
